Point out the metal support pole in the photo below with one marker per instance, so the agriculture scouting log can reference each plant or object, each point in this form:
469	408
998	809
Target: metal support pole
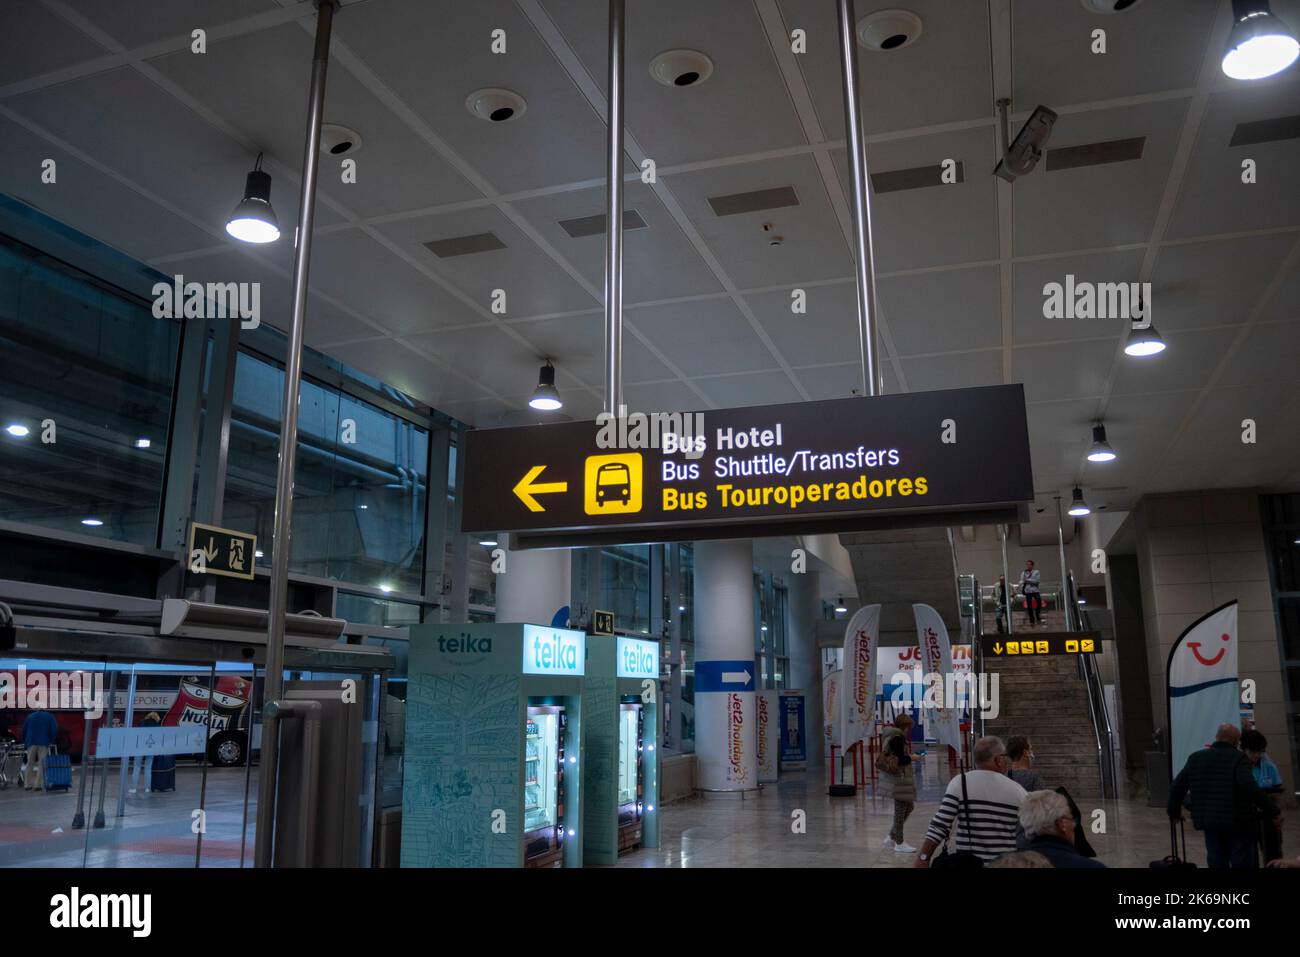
128	719
280	543
865	273
1060	545
614	216
1006	580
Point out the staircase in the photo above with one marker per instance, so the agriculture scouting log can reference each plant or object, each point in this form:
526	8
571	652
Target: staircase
1046	700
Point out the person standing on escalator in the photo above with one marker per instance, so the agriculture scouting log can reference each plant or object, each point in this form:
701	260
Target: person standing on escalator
1030	580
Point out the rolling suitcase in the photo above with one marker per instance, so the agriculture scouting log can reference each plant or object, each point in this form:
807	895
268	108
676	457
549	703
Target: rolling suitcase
57	771
162	777
1174	862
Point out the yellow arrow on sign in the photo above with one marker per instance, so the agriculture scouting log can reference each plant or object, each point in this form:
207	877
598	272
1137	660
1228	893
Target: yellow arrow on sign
997	648
527	488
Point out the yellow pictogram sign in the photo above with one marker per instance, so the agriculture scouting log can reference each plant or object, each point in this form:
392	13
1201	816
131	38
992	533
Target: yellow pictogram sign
1013	647
1071	646
528	487
1087	644
1043	647
612	484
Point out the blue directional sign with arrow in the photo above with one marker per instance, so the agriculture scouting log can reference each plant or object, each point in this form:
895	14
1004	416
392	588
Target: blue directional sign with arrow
724	675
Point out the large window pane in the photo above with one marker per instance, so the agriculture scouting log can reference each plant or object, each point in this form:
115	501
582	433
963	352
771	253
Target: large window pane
86	378
359	488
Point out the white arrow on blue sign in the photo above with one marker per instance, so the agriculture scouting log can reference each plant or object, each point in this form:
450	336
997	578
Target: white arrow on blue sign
724	675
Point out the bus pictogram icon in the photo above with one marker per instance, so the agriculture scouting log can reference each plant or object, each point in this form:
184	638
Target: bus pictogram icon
613	484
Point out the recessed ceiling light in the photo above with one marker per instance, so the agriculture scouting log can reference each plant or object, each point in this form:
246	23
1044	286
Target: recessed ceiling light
1260	44
887	30
142	443
488	542
496	105
339	140
386	588
92	522
363	506
18	430
681	68
257	554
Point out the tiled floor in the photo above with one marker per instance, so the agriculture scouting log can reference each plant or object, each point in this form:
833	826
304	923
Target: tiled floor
848	832
155	830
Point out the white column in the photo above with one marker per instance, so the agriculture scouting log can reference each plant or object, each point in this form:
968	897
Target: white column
803	609
726	750
534	586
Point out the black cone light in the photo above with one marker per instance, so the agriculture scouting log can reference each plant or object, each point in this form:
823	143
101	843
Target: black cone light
545	397
253	220
1101	450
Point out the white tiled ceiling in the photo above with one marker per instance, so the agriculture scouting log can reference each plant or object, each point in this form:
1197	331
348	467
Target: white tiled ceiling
153	142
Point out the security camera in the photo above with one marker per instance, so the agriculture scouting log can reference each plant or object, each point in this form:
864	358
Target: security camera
1027	148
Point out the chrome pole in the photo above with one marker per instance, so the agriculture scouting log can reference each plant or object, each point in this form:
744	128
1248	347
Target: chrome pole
865	273
1006	580
1066	599
280	543
614	216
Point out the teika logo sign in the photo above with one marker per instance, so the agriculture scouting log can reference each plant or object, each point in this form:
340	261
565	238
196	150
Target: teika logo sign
75	910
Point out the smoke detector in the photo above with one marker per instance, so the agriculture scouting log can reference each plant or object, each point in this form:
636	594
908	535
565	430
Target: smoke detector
1109	6
773	239
496	105
887	30
681	68
339	140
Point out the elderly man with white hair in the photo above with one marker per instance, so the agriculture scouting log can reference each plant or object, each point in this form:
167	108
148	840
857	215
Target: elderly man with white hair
1048	824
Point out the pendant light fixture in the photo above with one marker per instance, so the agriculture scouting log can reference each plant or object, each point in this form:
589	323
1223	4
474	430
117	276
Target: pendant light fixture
1260	44
1078	507
1101	450
545	397
1143	342
253	220
840	607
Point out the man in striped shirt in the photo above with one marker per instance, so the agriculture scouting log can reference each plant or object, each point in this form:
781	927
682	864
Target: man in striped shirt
992	807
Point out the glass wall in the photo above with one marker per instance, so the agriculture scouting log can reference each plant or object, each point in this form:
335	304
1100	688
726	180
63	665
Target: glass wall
625	583
359	489
88	375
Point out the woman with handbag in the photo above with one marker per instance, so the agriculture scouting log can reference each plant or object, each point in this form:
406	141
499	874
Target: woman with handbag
899	777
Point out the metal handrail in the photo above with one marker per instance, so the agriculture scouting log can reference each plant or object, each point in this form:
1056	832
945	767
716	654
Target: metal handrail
1097	709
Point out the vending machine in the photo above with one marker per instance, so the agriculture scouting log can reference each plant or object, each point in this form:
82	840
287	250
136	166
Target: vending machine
494	747
624	720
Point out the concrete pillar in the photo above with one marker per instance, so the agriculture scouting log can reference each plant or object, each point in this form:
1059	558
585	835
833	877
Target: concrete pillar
726	743
534	586
803	610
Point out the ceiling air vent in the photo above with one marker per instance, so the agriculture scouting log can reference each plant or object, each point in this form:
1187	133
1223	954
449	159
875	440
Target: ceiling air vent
1095	154
595	225
919	177
1266	131
464	245
752	202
